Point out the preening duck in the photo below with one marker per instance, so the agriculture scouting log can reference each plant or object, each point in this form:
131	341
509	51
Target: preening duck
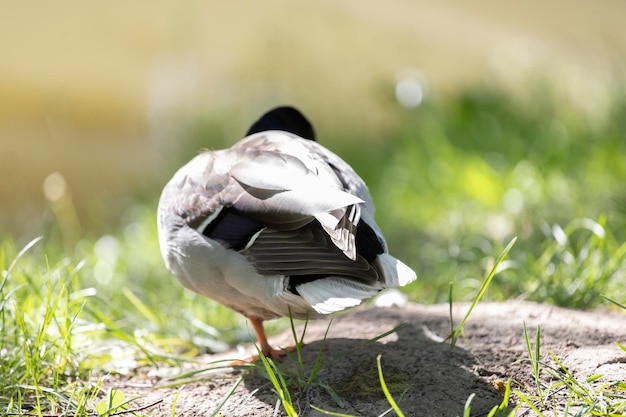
276	225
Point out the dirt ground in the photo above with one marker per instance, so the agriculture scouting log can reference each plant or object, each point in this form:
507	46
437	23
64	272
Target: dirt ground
424	375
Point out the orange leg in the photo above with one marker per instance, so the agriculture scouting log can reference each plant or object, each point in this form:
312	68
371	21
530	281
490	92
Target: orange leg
266	349
264	346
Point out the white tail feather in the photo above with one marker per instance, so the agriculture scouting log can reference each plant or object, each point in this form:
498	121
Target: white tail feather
396	273
332	294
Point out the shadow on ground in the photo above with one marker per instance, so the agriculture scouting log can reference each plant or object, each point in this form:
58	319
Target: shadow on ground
424	376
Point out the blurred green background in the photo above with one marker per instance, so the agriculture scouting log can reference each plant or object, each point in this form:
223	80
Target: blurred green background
472	122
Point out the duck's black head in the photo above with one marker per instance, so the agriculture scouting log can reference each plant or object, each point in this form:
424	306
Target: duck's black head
284	118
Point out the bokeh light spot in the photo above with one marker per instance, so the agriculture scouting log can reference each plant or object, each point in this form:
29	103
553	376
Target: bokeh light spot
513	201
409	92
54	186
107	249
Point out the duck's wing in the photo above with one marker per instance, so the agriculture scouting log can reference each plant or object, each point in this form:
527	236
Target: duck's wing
270	179
305	254
315	268
283	182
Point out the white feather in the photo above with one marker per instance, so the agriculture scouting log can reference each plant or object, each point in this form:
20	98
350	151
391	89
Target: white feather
332	294
396	273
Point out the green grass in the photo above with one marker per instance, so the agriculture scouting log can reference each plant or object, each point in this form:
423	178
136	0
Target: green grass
464	176
558	392
455	180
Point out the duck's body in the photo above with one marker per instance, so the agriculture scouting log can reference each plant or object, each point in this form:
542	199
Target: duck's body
276	225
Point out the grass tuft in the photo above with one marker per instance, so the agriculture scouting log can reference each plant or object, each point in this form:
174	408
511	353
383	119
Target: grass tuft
51	344
563	393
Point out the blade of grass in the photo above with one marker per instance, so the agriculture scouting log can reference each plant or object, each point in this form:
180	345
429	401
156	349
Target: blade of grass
223	400
533	355
119	334
458	331
330	413
18	257
174	402
383	385
529	403
298	341
614	302
140	306
318	360
280	386
501	410
450	293
467	408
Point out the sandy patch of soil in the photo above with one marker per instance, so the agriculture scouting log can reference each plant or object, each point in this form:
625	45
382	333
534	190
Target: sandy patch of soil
435	380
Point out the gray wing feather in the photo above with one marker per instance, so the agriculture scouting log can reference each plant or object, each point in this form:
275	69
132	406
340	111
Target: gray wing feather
305	251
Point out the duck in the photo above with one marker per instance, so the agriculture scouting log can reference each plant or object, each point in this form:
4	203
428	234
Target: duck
275	226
